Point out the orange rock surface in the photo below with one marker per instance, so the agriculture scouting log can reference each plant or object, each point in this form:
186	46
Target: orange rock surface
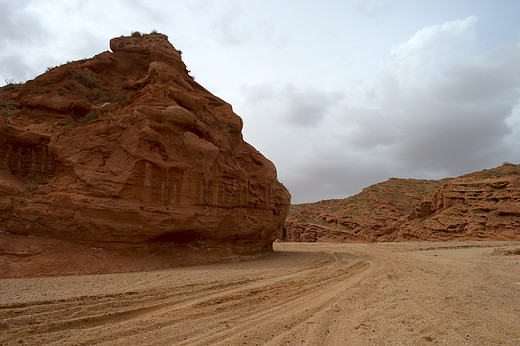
476	206
126	153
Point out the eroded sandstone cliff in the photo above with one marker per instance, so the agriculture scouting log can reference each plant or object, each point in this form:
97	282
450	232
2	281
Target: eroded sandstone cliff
125	152
476	206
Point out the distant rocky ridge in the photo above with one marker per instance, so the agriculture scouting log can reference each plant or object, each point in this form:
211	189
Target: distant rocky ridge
476	206
126	153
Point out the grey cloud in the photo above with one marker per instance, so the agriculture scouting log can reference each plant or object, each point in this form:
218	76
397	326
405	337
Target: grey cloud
227	26
335	173
18	24
14	68
457	142
307	107
298	107
19	28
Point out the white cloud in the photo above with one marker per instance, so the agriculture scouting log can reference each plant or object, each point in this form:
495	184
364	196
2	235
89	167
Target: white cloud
416	61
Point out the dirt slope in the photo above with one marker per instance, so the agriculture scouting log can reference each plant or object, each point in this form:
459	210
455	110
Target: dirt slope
321	294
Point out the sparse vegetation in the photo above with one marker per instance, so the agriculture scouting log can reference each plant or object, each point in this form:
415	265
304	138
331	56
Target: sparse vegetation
65	124
116	97
70	122
70	85
136	34
11	86
6	109
92	115
4	113
96	95
34	186
86	79
99	95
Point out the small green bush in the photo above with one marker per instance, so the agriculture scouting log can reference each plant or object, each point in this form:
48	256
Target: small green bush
6	110
65	124
70	85
92	115
33	187
86	79
4	113
12	87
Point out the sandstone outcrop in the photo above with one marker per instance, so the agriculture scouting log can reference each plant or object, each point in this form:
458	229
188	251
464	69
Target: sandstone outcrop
363	217
476	206
125	152
481	205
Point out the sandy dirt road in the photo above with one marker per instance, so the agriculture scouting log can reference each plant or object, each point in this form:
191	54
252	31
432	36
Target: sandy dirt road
319	294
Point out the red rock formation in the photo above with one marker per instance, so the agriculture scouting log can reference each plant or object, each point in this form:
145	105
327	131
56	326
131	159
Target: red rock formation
363	217
126	152
481	205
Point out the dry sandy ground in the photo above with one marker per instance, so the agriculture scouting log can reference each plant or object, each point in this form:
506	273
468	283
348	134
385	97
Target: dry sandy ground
319	294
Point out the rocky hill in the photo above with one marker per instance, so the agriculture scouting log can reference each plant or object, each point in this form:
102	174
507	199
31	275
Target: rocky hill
125	155
480	205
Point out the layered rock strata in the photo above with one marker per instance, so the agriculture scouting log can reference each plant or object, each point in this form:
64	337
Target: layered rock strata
126	152
483	205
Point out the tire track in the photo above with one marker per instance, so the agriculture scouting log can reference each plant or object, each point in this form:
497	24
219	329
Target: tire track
46	320
359	294
226	314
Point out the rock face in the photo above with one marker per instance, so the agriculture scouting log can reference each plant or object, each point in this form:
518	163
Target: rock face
481	205
363	217
126	152
476	206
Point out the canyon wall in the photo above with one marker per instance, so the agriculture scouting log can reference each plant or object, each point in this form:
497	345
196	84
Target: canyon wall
483	205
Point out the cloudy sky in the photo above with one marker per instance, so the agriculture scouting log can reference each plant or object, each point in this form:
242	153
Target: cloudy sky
339	94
